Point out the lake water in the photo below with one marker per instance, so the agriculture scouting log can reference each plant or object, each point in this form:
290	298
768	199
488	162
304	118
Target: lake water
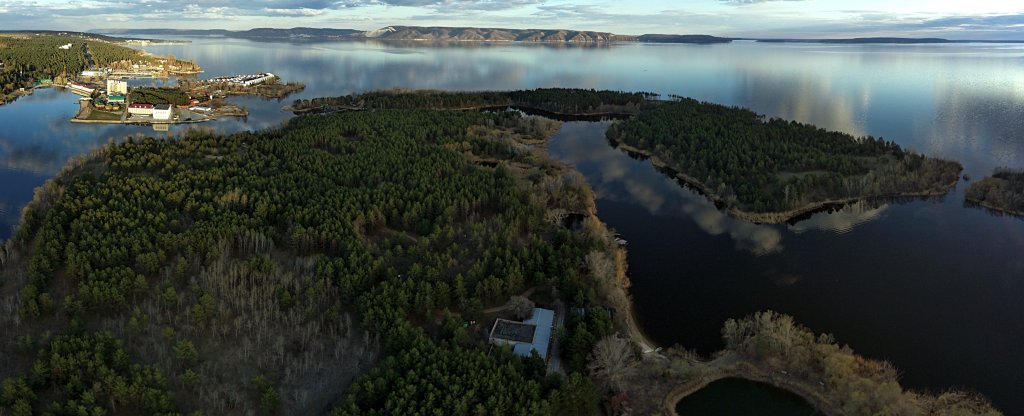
733	396
930	285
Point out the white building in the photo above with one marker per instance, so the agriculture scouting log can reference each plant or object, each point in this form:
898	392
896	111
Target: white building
81	88
91	73
200	108
162	112
141	109
117	87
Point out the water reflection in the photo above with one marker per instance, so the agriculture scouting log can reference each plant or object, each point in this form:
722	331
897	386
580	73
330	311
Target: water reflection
984	128
618	178
842	220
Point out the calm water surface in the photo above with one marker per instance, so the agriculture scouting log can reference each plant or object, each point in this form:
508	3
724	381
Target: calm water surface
732	396
930	285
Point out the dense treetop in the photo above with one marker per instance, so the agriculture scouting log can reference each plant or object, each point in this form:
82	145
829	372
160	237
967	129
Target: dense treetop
27	58
557	100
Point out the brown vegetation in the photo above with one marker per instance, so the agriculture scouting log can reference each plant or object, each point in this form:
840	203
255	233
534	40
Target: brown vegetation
1002	192
770	347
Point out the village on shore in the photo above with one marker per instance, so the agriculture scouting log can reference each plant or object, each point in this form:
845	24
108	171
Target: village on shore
107	97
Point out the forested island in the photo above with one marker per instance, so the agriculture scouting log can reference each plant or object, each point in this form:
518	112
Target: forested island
772	170
351	264
1002	192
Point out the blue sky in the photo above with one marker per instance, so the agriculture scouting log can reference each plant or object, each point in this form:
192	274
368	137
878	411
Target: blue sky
955	19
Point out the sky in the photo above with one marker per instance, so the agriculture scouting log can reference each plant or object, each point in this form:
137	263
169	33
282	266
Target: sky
953	19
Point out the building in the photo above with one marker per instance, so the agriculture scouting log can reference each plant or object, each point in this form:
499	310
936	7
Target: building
162	111
81	88
200	108
117	87
115	99
533	334
93	74
141	109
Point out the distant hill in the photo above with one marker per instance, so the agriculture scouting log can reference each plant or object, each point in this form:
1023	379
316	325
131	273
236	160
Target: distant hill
472	34
87	35
883	40
441	34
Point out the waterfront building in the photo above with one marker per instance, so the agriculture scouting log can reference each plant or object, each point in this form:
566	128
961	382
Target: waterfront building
162	112
141	109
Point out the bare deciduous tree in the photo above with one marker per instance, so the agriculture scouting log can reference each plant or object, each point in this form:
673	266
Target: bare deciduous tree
613	360
521	307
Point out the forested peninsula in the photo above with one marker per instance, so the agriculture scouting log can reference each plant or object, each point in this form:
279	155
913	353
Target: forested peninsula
1002	192
352	264
773	170
28	60
262	272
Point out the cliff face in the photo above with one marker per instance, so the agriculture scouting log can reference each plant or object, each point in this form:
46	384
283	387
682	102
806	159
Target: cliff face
493	35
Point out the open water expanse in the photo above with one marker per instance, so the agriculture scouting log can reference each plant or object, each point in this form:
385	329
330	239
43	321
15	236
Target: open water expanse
933	286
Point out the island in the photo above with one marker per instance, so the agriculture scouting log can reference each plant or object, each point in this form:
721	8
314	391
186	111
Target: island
407	257
1002	192
773	170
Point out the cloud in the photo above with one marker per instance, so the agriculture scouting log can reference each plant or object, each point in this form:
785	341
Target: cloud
447	5
304	12
748	2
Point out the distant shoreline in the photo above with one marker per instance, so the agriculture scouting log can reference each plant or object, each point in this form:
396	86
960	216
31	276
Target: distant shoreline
504	35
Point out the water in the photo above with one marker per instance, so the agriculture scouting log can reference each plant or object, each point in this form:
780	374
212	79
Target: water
930	285
732	396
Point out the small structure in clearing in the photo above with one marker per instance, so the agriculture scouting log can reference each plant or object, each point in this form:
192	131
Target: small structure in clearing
527	336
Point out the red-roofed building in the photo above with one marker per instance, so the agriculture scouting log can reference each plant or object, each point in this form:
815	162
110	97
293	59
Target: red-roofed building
141	109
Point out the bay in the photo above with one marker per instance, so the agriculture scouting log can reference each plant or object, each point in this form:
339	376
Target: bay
931	285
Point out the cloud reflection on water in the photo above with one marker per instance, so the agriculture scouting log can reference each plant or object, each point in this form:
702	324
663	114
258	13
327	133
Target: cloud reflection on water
615	176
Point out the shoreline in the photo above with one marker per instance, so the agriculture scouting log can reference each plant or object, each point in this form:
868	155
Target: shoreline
729	366
141	123
542	112
998	210
776	217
